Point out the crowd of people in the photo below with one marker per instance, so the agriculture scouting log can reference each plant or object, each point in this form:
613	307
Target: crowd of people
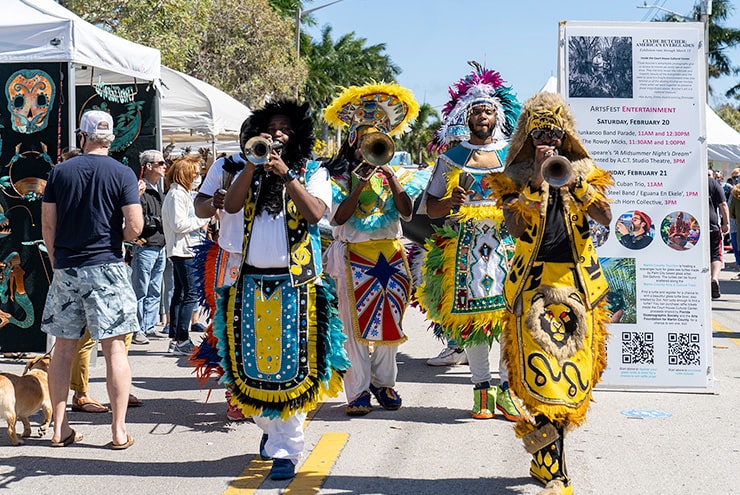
292	323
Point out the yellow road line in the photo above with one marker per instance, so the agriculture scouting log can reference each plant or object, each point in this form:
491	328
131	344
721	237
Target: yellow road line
250	479
718	327
316	468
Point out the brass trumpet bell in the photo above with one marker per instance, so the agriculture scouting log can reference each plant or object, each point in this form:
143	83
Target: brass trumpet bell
257	149
377	148
557	171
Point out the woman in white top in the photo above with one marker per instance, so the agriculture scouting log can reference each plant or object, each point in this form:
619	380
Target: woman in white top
182	232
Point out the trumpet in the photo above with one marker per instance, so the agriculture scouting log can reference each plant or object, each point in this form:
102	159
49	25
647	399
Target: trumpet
557	170
376	149
258	149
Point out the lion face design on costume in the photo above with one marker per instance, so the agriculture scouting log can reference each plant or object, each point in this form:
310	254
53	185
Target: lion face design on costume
557	320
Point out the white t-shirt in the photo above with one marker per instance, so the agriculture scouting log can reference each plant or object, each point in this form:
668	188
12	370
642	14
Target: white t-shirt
231	233
268	246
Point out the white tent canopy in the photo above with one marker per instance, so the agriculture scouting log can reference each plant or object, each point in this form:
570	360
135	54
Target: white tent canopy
723	142
190	106
44	31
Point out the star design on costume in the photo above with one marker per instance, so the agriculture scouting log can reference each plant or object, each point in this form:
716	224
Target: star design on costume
382	271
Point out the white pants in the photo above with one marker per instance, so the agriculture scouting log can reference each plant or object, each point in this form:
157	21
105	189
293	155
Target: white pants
285	439
480	367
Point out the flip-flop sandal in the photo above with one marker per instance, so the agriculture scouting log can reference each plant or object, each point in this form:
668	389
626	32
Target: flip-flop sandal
71	438
88	405
134	401
123	446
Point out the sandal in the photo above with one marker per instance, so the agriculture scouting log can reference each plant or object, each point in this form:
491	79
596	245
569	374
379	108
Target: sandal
71	438
134	401
88	405
123	446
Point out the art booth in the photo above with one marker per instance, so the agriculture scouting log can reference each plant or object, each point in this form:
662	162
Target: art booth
53	67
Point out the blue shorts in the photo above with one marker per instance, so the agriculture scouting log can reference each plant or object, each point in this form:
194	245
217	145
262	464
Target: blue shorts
98	297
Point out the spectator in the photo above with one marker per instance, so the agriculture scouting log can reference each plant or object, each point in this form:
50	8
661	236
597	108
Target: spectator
148	262
182	233
90	206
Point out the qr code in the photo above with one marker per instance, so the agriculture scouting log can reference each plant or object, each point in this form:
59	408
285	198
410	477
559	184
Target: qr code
683	349
638	348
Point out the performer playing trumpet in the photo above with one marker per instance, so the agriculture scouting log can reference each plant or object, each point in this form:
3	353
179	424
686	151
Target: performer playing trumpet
555	291
367	260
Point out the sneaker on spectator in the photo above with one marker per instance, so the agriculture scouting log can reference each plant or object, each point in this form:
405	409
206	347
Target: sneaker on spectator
184	349
140	338
198	327
171	348
234	413
449	356
153	333
165	330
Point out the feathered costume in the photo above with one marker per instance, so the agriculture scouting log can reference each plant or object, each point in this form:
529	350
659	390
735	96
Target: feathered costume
556	310
278	334
367	259
467	258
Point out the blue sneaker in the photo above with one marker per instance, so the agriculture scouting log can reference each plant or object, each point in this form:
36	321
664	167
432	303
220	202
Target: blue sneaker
360	406
263	452
282	469
386	397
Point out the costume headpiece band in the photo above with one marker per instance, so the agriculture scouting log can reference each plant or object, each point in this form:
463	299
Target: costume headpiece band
544	119
386	107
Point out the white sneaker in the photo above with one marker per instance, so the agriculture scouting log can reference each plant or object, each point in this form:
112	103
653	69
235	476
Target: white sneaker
171	348
449	356
140	338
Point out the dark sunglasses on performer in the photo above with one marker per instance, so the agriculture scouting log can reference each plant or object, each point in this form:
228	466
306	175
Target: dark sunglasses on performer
540	134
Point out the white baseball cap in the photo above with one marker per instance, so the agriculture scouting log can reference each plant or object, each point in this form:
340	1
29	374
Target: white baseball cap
96	122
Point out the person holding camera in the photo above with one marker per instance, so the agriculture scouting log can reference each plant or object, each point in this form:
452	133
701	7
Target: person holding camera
149	257
367	259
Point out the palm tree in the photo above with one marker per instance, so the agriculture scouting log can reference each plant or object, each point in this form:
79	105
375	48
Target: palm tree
346	62
415	141
720	39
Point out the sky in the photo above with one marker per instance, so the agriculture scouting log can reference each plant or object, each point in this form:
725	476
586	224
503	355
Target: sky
432	40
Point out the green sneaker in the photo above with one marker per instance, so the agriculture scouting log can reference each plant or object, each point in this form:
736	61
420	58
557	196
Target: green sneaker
484	403
509	404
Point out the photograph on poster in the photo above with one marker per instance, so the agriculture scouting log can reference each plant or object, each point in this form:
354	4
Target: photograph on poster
622	297
599	233
680	230
600	66
634	229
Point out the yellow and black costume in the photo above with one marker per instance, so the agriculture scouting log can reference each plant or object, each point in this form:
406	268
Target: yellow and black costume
555	290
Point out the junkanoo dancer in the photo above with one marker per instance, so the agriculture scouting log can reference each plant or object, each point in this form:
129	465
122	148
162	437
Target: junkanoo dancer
467	259
279	337
555	291
367	258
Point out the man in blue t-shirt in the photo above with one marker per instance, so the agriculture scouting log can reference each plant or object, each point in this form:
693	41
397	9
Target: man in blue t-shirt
91	205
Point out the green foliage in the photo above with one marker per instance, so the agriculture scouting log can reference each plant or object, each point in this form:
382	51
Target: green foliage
415	141
720	38
730	114
346	62
245	48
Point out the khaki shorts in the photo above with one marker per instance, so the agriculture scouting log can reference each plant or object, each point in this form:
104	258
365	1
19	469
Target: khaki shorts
100	297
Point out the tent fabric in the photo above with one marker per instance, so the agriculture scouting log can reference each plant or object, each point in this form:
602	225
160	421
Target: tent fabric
723	142
44	31
190	106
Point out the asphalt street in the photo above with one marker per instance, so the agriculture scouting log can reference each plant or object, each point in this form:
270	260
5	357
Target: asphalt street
185	445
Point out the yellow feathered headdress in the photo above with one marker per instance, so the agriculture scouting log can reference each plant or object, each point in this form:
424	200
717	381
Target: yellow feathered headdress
387	107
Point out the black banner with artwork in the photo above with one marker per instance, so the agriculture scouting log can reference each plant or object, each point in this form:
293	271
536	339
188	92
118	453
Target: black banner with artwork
33	133
132	108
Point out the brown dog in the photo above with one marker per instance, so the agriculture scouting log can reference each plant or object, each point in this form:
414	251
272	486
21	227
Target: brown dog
22	396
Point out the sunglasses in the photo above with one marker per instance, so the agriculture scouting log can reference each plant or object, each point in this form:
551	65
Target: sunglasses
159	164
540	134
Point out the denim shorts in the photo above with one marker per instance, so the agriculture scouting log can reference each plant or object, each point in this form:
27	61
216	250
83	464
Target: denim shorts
99	297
